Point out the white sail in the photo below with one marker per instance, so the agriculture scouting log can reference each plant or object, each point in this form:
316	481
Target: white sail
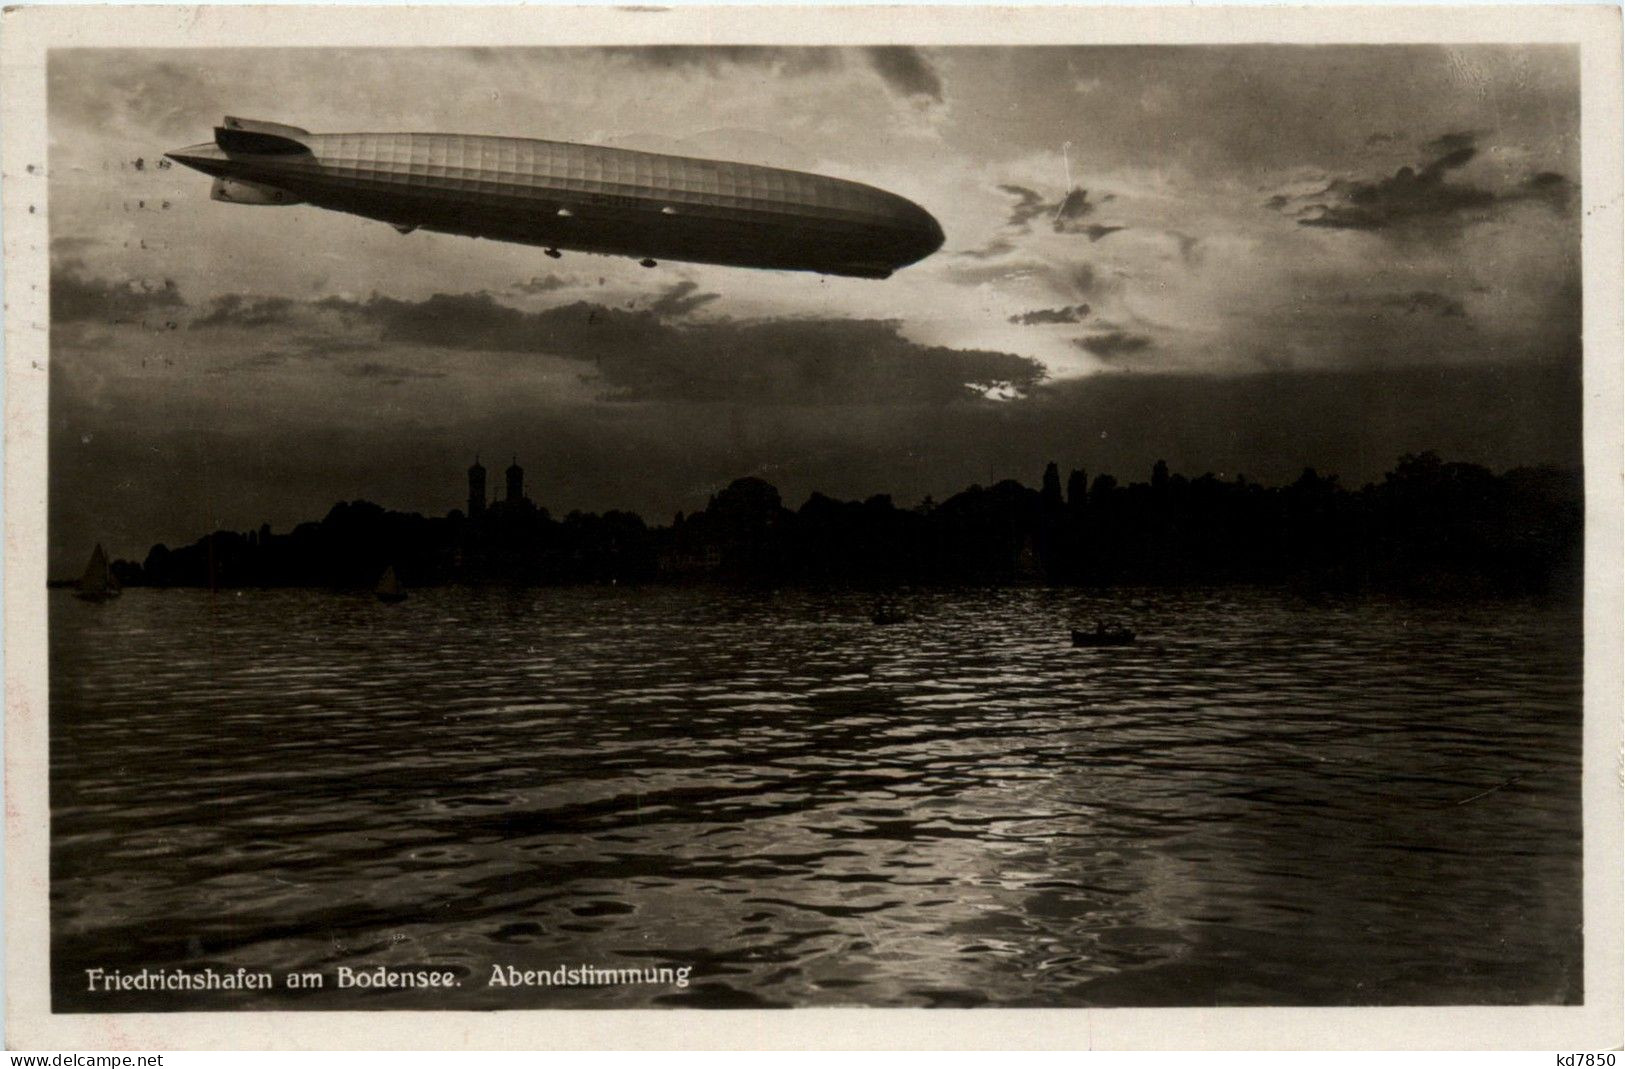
389	586
98	580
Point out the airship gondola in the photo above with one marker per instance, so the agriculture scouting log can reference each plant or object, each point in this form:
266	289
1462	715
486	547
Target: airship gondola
562	195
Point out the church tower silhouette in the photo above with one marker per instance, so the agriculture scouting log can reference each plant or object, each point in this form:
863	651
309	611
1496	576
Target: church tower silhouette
476	488
516	482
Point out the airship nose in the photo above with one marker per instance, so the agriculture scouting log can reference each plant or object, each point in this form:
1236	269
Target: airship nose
931	234
924	232
206	157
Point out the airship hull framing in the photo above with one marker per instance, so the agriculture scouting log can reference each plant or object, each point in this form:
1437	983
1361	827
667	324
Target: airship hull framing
561	195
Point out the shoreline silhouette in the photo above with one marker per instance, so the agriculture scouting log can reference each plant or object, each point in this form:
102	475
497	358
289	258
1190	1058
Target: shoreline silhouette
1430	527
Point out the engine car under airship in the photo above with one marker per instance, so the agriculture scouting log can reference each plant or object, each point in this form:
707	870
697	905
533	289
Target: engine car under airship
561	195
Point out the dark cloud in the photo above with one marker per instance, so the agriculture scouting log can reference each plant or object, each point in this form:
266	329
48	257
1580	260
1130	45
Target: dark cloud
455	321
1083	280
1072	313
638	355
242	310
1451	160
1409	196
1028	204
76	297
1113	344
1418	197
1074	206
907	71
1549	187
1426	301
996	247
1445	144
1065	215
680	300
542	284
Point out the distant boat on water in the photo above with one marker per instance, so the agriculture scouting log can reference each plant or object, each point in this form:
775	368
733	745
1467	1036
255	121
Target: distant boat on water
888	612
389	587
98	583
1103	635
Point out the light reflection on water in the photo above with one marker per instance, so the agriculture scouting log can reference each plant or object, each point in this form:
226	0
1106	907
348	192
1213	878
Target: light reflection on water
1262	801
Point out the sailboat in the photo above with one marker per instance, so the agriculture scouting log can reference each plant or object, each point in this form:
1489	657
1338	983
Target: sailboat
389	587
98	583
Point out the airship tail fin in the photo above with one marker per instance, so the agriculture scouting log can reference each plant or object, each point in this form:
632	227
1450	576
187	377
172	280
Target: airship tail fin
258	138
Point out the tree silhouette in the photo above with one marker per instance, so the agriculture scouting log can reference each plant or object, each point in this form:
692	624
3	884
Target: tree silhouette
1430	527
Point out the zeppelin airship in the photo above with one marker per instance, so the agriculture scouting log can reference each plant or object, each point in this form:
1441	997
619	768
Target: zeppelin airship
561	195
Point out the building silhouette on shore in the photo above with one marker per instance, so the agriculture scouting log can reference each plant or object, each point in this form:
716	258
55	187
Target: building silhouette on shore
516	482
503	539
514	498
476	489
1429	526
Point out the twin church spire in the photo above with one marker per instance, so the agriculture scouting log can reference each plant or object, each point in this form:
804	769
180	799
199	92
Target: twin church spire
476	486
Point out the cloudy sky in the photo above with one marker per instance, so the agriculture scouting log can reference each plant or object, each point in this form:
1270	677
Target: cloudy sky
1239	259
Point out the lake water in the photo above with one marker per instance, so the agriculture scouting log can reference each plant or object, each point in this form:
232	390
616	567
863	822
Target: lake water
1263	801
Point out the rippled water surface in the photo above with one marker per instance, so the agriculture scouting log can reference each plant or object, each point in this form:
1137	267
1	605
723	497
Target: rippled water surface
1263	801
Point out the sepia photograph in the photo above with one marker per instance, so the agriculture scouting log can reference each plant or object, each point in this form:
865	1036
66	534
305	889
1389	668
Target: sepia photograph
660	522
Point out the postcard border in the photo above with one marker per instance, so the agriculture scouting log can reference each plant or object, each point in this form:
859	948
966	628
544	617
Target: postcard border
30	31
